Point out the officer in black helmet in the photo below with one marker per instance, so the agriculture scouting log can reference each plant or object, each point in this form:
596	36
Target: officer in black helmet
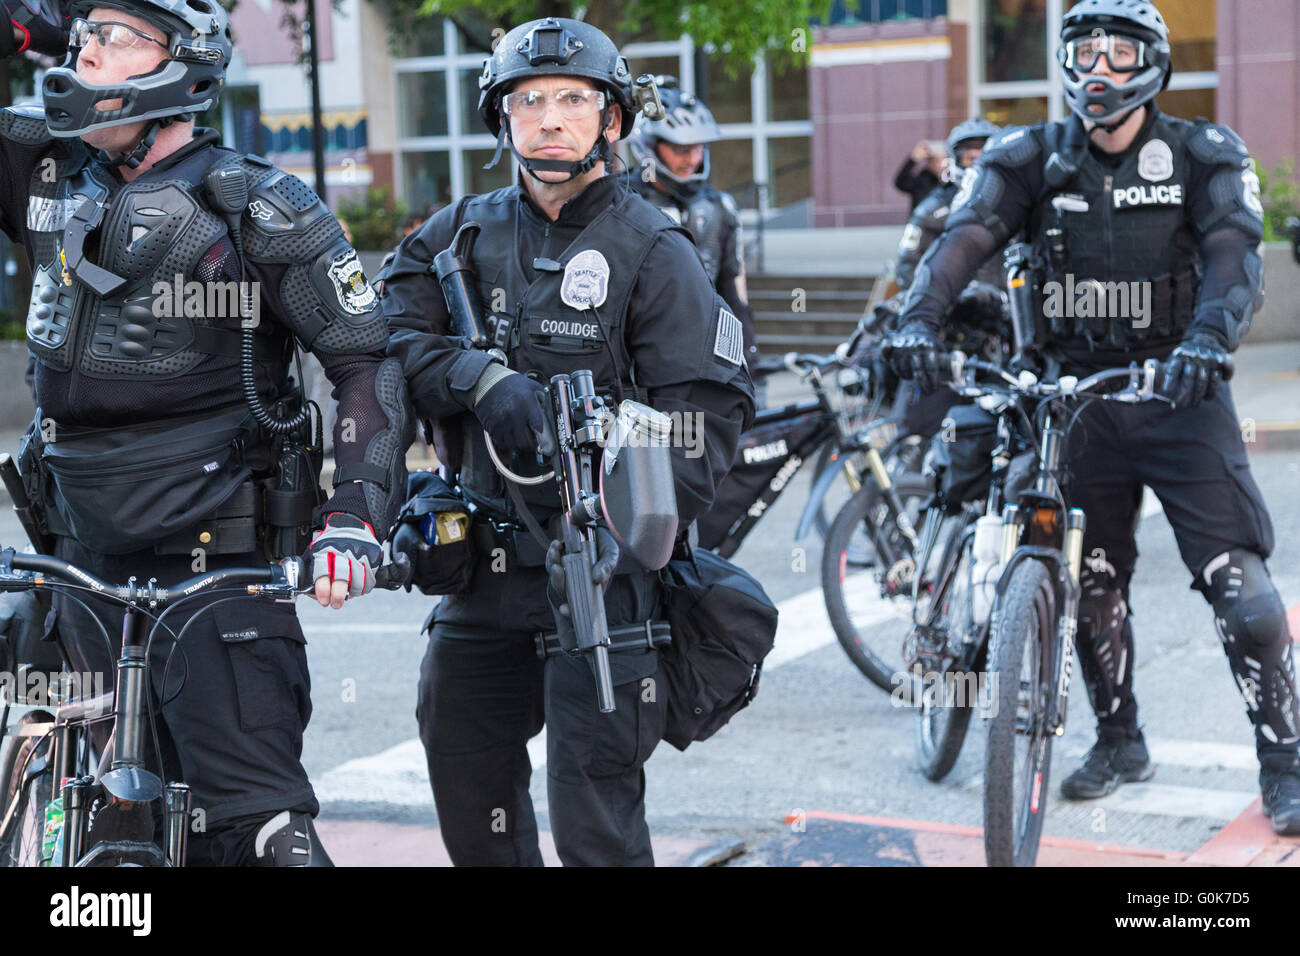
965	143
1120	192
577	272
672	173
159	259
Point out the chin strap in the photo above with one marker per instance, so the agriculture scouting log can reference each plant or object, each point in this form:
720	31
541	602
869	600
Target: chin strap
601	151
135	157
1111	127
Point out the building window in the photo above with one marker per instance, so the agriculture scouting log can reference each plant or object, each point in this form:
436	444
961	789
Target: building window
1017	59
848	12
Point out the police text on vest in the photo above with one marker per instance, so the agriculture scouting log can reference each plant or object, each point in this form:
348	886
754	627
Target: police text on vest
1149	196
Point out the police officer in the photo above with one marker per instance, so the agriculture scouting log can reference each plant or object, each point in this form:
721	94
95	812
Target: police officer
965	143
108	191
1120	192
578	272
672	156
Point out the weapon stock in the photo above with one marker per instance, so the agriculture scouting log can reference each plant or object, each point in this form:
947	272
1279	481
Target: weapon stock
13	482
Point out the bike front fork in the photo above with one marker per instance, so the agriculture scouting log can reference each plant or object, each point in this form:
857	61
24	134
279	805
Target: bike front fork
1068	623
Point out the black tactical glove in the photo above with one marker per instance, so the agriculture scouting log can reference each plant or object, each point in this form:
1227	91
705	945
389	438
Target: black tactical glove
1194	370
602	572
343	557
913	353
511	410
41	25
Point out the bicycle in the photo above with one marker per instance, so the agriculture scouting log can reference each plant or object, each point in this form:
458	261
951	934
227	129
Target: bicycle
118	796
848	441
1034	606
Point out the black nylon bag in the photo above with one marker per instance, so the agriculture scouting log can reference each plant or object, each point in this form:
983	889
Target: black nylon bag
127	488
446	566
749	475
963	454
723	625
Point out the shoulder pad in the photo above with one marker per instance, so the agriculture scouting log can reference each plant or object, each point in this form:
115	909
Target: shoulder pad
1213	144
1015	146
728	203
25	125
935	205
254	160
285	220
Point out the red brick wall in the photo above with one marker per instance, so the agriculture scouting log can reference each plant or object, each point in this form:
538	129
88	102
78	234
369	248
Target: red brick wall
1259	75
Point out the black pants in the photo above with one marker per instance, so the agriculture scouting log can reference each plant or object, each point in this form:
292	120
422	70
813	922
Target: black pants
236	701
1195	462
484	692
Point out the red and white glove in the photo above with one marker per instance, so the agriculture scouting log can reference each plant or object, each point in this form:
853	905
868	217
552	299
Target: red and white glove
344	556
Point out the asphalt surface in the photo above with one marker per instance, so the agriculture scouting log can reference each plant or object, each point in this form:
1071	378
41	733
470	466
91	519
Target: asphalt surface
819	738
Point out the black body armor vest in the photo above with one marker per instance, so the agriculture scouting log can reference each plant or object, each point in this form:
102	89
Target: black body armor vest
705	217
1119	250
539	324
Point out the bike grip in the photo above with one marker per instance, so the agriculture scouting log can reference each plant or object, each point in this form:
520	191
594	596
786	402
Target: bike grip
395	574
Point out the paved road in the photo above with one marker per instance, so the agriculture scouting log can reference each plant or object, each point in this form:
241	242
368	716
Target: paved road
819	738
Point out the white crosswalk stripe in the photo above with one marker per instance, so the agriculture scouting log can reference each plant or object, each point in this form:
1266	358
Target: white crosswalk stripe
399	775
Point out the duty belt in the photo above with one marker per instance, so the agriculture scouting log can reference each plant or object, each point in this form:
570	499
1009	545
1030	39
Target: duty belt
646	635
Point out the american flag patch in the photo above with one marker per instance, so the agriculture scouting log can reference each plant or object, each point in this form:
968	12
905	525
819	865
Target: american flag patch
729	342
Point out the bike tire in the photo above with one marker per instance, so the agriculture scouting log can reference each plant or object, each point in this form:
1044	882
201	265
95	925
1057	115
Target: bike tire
1015	800
876	650
941	730
25	842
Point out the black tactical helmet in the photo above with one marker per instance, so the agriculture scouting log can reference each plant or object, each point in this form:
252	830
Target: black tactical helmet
197	35
976	128
1138	19
555	46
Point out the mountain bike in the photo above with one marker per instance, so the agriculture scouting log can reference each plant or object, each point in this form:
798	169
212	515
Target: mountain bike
1034	606
843	431
109	799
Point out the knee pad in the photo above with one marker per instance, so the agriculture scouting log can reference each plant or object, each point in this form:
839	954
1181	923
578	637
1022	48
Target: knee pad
289	839
1105	641
1251	621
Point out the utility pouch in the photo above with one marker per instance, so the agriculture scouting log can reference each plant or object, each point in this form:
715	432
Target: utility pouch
434	530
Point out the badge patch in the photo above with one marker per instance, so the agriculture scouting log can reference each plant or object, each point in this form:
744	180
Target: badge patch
1250	190
967	187
354	292
586	280
1156	161
729	343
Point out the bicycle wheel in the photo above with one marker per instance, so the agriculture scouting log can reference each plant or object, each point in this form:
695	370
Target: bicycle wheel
1019	751
869	602
837	494
948	694
24	840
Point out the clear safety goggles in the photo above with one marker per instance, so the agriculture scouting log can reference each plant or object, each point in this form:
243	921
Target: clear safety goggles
1123	54
119	36
573	104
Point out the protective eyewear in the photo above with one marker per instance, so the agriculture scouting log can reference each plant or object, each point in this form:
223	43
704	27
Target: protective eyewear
119	36
573	104
1123	54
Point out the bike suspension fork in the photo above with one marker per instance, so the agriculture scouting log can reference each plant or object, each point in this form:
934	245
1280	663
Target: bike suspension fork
1068	623
881	474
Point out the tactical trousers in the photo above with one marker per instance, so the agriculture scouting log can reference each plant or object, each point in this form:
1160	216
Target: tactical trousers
484	692
1195	461
234	705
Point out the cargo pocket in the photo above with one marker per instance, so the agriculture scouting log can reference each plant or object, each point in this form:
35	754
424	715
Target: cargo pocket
269	661
640	694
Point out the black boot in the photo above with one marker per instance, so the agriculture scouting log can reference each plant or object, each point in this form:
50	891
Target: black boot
1280	786
1110	762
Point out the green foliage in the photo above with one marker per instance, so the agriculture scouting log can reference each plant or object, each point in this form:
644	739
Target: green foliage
1280	194
738	31
10	328
376	223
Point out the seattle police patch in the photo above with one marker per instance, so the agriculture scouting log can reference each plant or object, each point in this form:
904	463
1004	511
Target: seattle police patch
1156	161
350	285
586	280
729	343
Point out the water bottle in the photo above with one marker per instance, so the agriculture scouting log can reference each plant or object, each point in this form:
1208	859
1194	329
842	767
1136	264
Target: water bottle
53	833
986	558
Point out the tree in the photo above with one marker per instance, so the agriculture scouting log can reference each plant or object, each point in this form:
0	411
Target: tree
737	31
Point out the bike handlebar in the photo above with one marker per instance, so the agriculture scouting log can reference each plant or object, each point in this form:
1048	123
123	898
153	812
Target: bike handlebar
20	572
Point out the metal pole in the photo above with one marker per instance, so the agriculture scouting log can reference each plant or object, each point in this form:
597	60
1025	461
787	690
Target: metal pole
317	132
